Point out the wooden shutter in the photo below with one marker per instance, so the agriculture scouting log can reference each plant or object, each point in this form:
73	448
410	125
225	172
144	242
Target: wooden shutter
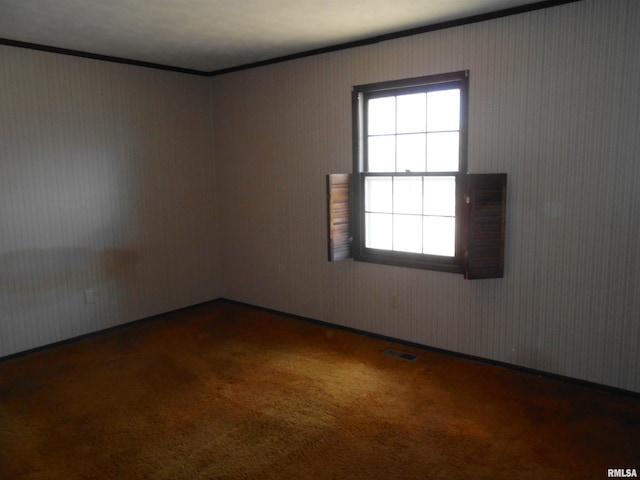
486	199
339	216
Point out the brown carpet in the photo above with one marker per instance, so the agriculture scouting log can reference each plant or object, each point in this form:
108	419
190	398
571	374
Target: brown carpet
222	391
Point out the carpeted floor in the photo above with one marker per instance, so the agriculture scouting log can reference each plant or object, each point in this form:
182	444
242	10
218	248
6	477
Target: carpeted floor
222	391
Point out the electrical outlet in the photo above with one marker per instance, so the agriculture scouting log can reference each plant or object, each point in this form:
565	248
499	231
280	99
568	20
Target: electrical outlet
393	300
89	295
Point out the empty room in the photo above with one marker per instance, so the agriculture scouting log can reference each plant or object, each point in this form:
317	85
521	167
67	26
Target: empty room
319	240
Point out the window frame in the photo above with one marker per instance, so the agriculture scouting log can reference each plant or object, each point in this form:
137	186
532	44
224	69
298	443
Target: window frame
360	95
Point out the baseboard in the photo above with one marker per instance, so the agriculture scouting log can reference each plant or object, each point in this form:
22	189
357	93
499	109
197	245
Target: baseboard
487	361
531	371
101	331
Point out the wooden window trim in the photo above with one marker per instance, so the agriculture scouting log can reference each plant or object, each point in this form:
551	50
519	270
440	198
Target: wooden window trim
485	224
339	216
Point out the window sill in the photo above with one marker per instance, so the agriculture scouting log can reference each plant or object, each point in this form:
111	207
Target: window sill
410	260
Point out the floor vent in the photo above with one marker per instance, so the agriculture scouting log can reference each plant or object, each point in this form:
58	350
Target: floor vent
403	355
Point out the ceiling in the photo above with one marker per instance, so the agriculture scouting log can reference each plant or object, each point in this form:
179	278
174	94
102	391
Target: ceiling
211	36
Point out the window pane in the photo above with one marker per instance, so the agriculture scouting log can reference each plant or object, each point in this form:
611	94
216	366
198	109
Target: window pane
412	113
439	236
443	110
440	196
382	154
411	153
407	233
379	228
382	116
378	194
443	152
407	195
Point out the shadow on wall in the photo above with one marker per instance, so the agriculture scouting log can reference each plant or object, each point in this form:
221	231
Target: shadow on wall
37	278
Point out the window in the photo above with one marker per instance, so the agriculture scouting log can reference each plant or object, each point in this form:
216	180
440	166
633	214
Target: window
411	201
410	152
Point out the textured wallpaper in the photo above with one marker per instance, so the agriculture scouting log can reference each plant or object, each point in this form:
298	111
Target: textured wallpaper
107	207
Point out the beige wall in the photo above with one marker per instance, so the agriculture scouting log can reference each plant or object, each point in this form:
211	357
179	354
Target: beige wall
553	102
107	185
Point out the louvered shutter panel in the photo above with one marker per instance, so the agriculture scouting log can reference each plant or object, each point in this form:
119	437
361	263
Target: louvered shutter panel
339	216
486	198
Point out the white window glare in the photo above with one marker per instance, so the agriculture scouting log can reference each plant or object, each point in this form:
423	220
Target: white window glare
407	195
412	151
412	113
443	110
379	231
439	196
439	237
382	153
407	233
443	152
379	194
382	116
